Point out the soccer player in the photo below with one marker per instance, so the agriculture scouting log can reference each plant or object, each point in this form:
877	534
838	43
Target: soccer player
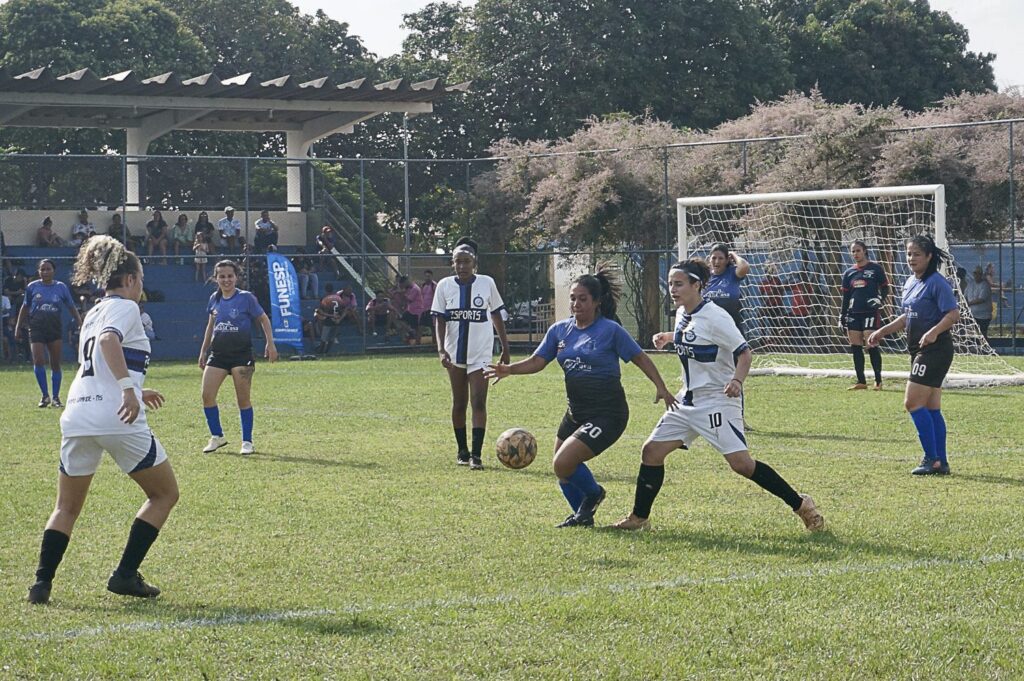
41	309
716	359
728	269
227	350
467	310
588	347
929	312
105	413
865	288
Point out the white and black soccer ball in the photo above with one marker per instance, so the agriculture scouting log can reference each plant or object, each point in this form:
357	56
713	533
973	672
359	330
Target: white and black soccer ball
517	448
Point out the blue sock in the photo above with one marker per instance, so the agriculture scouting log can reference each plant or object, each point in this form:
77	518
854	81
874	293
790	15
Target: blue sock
247	419
572	494
583	479
56	376
925	431
940	434
213	420
41	379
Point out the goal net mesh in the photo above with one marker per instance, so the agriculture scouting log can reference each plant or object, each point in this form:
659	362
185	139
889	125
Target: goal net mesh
798	248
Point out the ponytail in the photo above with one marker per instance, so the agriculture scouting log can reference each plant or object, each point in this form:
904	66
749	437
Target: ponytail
939	256
105	261
605	287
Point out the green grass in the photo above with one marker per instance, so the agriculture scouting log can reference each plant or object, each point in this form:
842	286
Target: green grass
350	546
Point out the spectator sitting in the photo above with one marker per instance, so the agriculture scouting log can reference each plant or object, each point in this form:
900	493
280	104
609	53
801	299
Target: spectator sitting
156	235
14	287
266	232
328	316
306	270
349	307
381	314
119	230
6	329
229	229
81	230
46	237
147	323
326	242
181	237
204	226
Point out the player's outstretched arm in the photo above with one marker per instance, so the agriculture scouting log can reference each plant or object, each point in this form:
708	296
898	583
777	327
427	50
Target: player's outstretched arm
644	363
661	339
530	365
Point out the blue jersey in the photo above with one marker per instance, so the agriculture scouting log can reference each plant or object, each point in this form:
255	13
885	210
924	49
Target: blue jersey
724	286
232	322
44	302
925	302
590	359
864	289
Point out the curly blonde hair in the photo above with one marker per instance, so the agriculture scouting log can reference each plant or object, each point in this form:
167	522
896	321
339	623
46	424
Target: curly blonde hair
104	261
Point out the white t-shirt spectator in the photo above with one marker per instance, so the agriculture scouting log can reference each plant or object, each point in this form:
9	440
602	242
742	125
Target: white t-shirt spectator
147	326
81	231
229	226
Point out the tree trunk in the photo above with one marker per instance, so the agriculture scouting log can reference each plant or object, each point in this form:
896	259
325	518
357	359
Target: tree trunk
649	321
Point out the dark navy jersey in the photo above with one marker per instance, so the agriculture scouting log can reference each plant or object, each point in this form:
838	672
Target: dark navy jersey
724	286
44	302
590	359
233	319
925	302
864	289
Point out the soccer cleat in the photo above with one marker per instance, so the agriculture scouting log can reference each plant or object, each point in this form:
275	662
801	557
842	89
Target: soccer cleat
215	443
131	586
808	513
247	448
45	402
929	466
631	522
575	521
56	402
858	386
39	593
476	463
585	513
878	386
462	458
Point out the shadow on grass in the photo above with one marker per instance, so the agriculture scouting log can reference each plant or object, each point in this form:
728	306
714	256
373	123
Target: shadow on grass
269	456
818	547
991	479
339	625
827	438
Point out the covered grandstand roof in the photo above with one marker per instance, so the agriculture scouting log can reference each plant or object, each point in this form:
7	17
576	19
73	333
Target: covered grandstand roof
81	99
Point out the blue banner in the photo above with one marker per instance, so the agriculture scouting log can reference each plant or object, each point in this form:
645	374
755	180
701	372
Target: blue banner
286	311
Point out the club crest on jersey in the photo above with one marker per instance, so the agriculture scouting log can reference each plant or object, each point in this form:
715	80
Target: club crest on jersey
561	345
478	301
689	336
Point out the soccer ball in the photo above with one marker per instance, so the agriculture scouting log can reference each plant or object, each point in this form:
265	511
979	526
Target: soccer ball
517	448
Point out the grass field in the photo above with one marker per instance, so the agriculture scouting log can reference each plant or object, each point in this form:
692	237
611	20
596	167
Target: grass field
350	545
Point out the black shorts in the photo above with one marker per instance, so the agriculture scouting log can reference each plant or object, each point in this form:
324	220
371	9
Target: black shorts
45	333
863	321
229	362
598	433
411	319
930	364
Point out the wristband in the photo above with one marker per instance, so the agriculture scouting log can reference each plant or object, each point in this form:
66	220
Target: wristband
126	383
737	380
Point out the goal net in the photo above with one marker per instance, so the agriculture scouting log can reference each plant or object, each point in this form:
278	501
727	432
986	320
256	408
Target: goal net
797	244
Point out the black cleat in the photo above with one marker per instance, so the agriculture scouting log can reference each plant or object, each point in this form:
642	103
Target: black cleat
56	402
131	586
585	514
39	593
45	402
462	458
929	466
574	521
476	463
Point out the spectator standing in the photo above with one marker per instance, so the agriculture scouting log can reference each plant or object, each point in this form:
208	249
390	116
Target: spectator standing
326	242
46	237
414	307
5	328
206	227
202	248
328	317
147	323
156	235
229	228
181	237
427	288
81	230
728	270
979	297
381	314
266	232
14	287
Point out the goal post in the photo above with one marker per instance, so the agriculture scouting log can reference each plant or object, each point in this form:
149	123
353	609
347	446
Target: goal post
797	244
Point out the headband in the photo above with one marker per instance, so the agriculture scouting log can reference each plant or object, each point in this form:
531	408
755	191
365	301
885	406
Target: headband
464	248
687	272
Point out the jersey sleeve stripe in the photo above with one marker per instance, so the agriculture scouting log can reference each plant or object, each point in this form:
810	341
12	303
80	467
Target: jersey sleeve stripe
114	330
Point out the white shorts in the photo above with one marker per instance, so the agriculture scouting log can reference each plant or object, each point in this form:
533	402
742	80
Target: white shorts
80	455
721	424
474	366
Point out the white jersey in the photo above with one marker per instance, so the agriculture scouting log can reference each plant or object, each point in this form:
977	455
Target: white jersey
95	396
708	344
469	337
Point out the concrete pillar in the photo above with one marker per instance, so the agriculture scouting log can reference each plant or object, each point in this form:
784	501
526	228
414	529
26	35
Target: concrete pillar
297	147
137	146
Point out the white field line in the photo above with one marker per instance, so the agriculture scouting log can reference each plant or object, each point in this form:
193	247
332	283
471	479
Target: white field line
498	599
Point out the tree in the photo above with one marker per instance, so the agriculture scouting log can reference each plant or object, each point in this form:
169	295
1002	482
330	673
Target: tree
879	52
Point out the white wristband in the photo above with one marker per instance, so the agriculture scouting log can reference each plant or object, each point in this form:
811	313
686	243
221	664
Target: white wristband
126	383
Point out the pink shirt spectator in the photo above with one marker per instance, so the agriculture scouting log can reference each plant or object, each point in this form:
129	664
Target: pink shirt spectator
414	300
427	289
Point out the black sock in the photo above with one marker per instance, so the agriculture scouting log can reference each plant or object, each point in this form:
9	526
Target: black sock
55	543
876	362
140	538
765	476
478	441
858	362
648	484
460	439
